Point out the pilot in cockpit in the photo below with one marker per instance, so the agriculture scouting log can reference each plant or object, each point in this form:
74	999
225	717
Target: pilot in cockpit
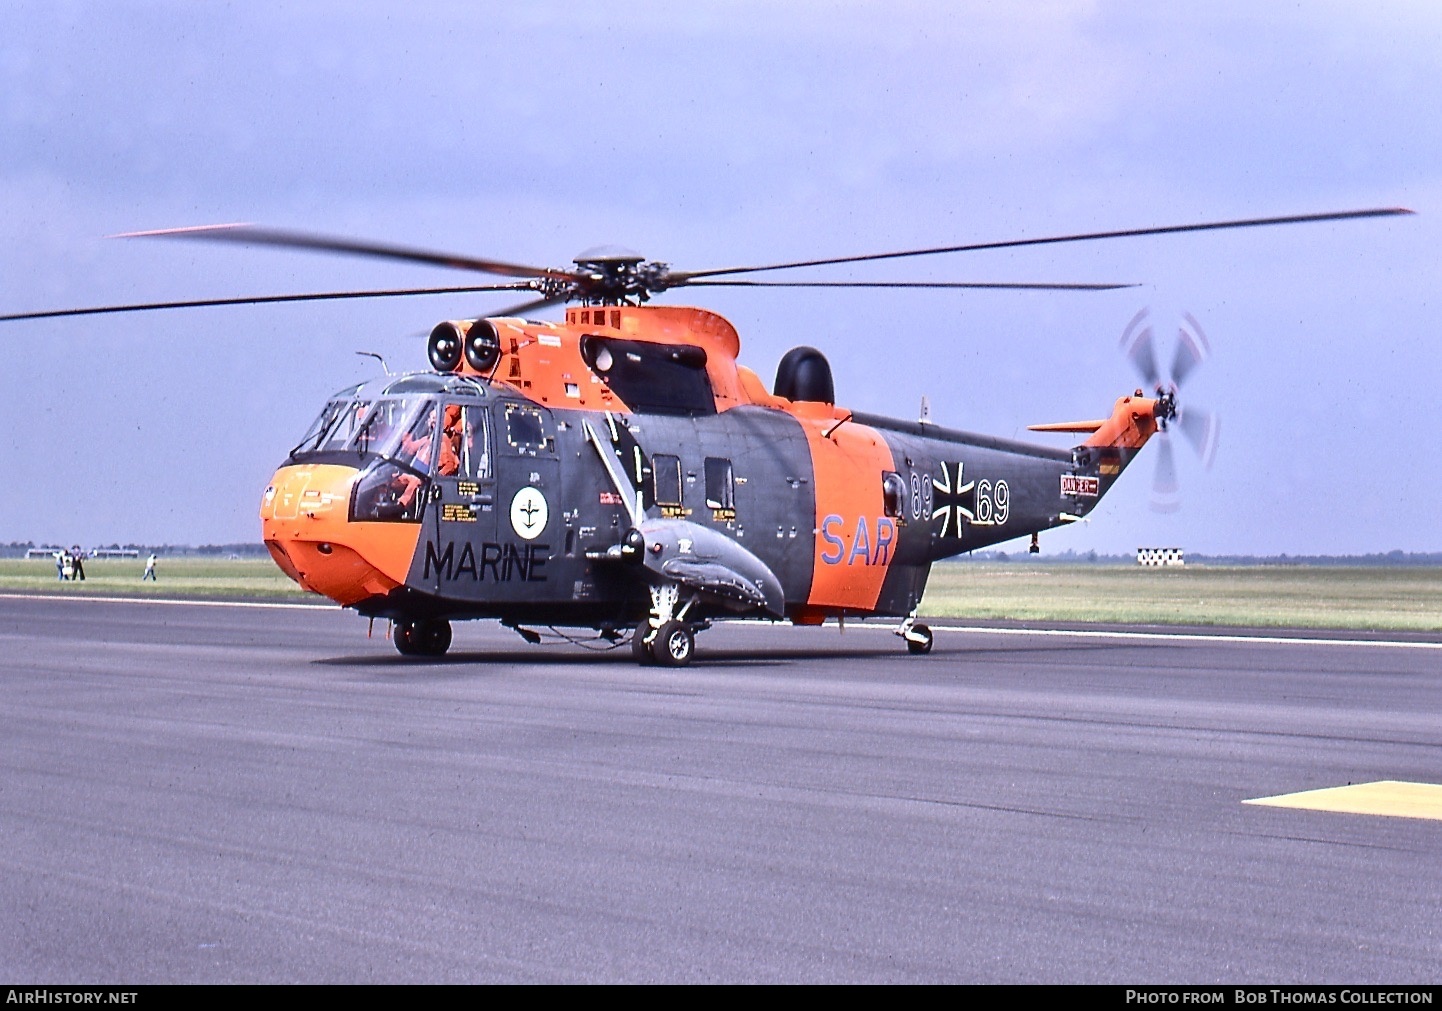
415	451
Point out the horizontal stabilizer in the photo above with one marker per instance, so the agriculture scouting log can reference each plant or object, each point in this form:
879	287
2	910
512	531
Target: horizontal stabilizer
1068	426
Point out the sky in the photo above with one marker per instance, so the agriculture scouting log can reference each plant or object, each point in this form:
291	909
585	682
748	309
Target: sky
717	134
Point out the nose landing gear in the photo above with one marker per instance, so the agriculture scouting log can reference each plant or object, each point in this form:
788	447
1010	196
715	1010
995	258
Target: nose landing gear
666	638
673	645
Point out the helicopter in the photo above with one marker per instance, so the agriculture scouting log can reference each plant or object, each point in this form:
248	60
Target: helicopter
622	471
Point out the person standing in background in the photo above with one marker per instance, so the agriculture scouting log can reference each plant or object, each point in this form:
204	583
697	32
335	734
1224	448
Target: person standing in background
149	569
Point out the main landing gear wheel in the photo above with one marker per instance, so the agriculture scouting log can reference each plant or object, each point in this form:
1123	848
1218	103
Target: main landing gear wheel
674	645
640	648
918	640
425	637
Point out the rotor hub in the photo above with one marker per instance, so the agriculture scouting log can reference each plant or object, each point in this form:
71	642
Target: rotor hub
1166	408
610	275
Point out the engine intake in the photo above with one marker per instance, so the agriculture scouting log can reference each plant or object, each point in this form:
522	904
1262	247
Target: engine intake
444	346
483	346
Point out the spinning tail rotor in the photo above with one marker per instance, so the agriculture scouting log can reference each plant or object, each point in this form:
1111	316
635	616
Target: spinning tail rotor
1199	426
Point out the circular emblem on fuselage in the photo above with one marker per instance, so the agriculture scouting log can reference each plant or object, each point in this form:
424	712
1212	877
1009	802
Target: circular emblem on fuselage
528	513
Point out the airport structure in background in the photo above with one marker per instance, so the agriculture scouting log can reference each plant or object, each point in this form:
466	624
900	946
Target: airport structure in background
1160	556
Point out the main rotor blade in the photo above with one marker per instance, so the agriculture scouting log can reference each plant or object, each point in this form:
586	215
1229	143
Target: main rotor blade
1209	226
525	307
260	300
258	235
1003	286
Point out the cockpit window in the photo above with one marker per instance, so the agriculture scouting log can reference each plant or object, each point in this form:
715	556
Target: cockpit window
333	430
346	426
464	448
315	435
416	431
417	441
388	425
397	427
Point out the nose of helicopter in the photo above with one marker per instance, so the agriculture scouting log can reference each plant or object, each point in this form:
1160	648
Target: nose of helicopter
305	522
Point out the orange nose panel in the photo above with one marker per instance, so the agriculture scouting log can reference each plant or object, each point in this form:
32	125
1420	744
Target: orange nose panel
305	523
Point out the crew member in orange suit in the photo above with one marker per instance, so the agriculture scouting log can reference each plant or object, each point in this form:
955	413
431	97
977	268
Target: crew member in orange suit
415	451
449	461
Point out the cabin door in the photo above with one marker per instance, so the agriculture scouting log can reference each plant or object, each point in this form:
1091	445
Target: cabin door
463	501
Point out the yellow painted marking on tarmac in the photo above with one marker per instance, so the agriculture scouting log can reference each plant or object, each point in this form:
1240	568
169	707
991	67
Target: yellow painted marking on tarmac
1388	797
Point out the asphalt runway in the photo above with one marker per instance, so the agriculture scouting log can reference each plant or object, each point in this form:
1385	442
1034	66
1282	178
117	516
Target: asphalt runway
248	794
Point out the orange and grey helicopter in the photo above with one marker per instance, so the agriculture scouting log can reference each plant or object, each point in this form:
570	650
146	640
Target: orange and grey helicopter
621	471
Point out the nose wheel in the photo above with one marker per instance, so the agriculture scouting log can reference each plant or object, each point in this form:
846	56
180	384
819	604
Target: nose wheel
673	645
640	648
423	637
666	638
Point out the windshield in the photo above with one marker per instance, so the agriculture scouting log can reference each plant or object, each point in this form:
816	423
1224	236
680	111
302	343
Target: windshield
315	435
334	429
395	427
322	433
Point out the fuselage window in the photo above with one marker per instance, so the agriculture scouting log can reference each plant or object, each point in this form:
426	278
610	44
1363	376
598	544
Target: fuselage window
525	429
893	494
464	451
720	486
668	479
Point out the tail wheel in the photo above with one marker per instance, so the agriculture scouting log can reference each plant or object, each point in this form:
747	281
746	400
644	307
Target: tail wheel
426	637
640	648
674	644
918	640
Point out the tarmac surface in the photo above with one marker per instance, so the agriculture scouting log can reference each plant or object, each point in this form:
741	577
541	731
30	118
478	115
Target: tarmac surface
221	793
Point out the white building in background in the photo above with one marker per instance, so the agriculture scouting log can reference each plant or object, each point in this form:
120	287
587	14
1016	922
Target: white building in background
1160	556
92	553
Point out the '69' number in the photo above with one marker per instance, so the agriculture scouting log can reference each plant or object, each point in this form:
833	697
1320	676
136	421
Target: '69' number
993	503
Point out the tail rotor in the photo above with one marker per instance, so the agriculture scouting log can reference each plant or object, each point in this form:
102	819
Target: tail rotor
1199	426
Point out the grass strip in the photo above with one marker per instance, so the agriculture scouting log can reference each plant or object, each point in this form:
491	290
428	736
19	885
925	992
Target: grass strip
174	577
1400	598
1383	598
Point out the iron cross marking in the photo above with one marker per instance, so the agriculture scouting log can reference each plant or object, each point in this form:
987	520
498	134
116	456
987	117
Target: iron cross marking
953	501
